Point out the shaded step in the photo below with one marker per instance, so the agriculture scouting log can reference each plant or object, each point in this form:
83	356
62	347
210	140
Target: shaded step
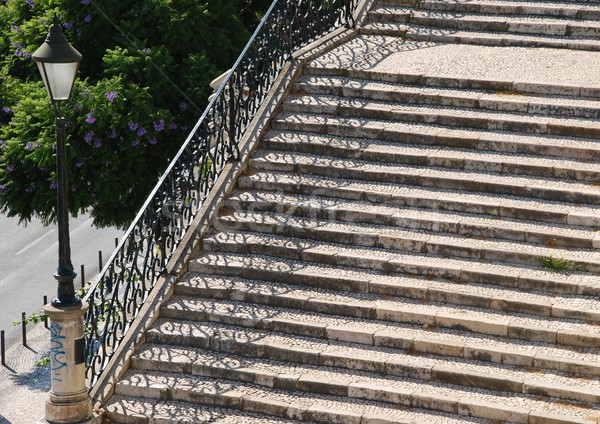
415	92
470	181
510	7
322	294
441	115
472	354
431	155
128	409
389	316
521	23
385	239
323	408
503	206
354	365
484	38
437	135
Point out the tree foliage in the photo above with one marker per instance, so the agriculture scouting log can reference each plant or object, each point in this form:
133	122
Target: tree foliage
143	82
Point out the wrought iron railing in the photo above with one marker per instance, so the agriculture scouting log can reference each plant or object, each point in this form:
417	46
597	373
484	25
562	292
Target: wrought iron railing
143	253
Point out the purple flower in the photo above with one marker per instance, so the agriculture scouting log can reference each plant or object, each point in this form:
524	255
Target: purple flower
112	134
142	131
135	142
133	126
90	118
30	3
6	109
73	188
68	25
183	106
79	164
26	55
78	31
111	96
53	185
28	189
18	53
159	125
78	106
31	145
87	18
15	27
173	125
89	136
86	2
10	167
2	187
97	143
146	51
152	140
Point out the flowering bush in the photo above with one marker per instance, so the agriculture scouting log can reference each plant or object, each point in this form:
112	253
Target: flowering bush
143	83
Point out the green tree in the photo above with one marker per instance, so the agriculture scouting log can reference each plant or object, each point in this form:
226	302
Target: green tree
143	83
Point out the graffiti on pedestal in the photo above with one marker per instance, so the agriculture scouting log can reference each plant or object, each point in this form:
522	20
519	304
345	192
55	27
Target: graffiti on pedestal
58	355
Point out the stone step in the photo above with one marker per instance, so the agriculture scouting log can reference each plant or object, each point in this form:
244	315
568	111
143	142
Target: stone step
435	177
588	10
346	360
468	225
499	86
522	23
442	115
483	38
395	313
414	355
431	155
398	195
587	150
414	269
138	410
415	93
354	404
377	300
385	240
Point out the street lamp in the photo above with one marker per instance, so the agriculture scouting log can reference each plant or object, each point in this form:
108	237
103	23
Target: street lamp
58	62
69	400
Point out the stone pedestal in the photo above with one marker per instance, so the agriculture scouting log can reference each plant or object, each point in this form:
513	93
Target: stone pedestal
69	401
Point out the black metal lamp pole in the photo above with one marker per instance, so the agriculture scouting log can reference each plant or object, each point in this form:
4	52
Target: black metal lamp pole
58	62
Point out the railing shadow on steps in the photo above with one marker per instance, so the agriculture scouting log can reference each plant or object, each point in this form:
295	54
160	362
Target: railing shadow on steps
161	224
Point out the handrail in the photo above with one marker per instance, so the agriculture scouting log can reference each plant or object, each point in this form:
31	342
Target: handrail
142	254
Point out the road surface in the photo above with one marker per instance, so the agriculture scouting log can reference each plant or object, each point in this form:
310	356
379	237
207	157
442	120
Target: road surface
28	260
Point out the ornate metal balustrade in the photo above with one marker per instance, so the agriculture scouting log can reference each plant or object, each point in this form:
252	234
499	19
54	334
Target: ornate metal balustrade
143	253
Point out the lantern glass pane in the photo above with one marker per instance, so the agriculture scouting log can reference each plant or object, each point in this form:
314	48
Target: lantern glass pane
58	78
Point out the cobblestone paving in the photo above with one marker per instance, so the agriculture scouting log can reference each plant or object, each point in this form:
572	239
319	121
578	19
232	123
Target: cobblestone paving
24	387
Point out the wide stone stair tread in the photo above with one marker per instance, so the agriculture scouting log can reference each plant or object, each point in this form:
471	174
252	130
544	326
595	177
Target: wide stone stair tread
505	206
498	99
334	380
523	22
432	155
133	410
474	181
378	300
403	240
296	405
438	135
465	224
553	8
447	116
391	317
412	352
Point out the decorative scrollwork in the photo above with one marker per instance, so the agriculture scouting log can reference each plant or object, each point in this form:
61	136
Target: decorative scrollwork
151	240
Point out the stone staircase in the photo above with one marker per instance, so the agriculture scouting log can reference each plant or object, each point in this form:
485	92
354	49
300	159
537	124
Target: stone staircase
402	248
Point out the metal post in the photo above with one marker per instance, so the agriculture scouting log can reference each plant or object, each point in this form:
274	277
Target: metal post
99	260
116	242
46	319
24	328
82	276
64	273
2	348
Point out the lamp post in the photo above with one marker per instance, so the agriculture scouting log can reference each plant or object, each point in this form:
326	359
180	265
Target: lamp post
69	401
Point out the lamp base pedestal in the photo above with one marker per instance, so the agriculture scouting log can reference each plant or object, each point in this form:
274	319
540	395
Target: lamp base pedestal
69	409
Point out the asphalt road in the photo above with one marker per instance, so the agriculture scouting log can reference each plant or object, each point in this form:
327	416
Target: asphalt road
28	260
